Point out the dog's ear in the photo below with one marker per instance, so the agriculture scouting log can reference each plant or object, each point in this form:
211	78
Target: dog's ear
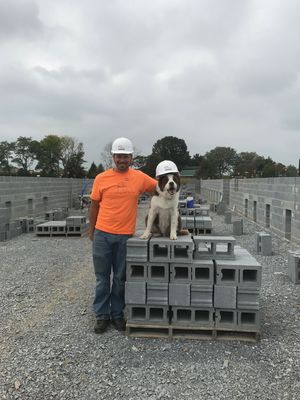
162	181
177	181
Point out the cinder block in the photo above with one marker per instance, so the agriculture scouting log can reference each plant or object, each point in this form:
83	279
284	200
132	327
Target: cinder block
214	247
193	316
180	273
249	320
76	220
183	221
226	319
227	217
202	296
250	276
136	271
238	227
203	222
264	243
248	299
135	292
225	297
158	272
294	266
179	294
182	249
203	272
227	274
190	221
160	249
137	249
157	293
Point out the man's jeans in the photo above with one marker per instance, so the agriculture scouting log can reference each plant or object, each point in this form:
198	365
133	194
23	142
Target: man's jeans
109	253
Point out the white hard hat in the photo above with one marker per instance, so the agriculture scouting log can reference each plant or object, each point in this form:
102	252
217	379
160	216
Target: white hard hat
122	145
166	167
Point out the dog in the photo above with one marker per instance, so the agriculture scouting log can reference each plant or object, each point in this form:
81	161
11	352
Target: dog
163	218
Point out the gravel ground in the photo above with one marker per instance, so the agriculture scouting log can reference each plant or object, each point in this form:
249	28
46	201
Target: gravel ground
48	349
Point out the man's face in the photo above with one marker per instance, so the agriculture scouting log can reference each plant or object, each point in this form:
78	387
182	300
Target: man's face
122	161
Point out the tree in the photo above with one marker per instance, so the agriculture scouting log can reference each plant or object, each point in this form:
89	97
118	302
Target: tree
6	150
92	172
100	169
172	148
139	161
222	161
151	163
49	155
291	170
106	156
204	170
24	154
71	157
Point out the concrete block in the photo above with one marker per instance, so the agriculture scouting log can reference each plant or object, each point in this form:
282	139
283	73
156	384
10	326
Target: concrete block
135	292
238	227
203	222
179	294
294	266
180	273
146	314
264	243
160	249
157	293
249	320
203	272
193	316
227	217
227	274
136	271
158	272
225	297
226	319
137	249
248	299
201	295
182	249
190	221
76	220
250	276
214	247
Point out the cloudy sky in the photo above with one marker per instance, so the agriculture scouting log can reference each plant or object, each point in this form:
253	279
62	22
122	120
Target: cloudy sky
212	72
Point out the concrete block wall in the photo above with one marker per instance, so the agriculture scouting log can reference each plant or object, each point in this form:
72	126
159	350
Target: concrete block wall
273	203
33	196
217	287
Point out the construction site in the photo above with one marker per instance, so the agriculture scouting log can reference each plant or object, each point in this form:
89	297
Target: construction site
213	314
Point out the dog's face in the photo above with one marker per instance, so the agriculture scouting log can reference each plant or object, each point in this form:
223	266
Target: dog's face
168	185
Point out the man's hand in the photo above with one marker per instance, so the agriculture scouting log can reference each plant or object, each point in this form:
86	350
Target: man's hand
91	235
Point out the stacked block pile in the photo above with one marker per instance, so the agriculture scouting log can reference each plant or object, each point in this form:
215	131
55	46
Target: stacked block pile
196	219
294	266
200	287
75	225
10	229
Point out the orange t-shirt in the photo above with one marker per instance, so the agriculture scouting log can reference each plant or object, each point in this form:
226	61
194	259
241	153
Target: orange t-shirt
117	193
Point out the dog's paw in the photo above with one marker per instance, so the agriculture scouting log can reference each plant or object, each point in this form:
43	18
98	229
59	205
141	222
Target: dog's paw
173	236
145	235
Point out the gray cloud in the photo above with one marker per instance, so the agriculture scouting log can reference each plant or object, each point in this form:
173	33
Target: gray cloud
213	73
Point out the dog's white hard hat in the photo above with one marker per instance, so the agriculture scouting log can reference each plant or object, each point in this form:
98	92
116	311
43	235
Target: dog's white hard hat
122	145
166	167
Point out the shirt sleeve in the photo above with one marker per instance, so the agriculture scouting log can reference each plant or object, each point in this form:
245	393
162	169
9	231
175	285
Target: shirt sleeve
96	190
149	183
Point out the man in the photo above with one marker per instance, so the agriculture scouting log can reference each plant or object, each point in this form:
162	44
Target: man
114	201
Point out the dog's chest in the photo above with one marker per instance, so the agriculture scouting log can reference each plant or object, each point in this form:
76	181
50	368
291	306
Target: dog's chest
164	218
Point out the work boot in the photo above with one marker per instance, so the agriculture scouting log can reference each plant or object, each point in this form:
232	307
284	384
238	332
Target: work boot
101	325
119	324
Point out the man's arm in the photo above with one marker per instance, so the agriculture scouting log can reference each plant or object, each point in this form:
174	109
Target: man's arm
94	209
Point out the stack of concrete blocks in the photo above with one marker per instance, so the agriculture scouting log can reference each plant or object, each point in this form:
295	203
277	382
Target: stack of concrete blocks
8	229
27	224
238	227
195	287
57	214
76	225
264	243
51	228
196	219
294	266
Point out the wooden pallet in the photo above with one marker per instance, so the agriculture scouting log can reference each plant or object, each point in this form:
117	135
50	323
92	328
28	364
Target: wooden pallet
189	332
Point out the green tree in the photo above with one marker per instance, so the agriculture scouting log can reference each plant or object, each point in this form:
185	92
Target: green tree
100	169
291	170
48	155
6	151
204	170
92	172
71	157
151	163
221	161
172	148
24	154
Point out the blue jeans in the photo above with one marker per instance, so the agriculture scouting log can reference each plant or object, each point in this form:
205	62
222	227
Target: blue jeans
109	254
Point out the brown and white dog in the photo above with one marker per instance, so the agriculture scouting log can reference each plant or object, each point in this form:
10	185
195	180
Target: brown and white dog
163	217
